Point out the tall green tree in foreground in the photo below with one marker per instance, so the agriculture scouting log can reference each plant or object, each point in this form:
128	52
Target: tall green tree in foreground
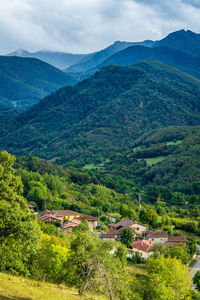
168	280
19	233
93	267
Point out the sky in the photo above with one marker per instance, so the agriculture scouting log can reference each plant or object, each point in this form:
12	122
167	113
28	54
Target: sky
83	26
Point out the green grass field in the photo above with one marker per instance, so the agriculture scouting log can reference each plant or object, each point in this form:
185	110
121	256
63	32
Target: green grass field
154	160
20	288
174	143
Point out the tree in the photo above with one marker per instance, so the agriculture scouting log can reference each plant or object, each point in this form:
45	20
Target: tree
82	227
192	246
196	280
19	232
152	217
168	280
127	237
93	268
180	252
50	261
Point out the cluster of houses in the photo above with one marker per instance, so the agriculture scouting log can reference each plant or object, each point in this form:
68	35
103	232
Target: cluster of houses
144	239
67	218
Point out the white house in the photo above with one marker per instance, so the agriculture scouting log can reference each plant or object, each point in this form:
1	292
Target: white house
158	236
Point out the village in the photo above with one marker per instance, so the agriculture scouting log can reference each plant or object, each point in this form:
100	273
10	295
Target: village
144	239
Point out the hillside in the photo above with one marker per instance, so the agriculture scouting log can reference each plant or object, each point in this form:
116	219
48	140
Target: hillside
105	113
174	58
60	60
179	150
92	60
24	81
18	288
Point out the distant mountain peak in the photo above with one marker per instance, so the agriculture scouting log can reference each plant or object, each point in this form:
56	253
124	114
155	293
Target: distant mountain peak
19	52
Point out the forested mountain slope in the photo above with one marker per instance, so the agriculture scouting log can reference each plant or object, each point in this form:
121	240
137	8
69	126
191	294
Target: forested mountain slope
105	113
24	81
183	40
174	58
94	59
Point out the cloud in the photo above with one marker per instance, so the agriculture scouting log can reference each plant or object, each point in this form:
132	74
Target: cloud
88	25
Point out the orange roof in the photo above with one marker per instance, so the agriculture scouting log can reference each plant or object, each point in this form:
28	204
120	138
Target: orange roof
142	245
69	225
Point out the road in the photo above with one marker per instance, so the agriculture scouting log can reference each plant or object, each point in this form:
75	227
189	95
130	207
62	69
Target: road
195	266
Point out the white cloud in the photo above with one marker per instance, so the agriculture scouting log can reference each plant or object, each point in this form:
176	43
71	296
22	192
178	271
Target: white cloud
89	25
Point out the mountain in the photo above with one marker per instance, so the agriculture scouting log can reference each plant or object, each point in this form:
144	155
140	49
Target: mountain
92	60
106	113
174	58
183	47
183	40
60	60
24	81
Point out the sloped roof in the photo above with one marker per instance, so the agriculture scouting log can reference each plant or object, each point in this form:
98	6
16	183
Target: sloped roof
125	223
158	234
44	212
142	245
46	217
177	239
89	218
112	233
65	213
69	225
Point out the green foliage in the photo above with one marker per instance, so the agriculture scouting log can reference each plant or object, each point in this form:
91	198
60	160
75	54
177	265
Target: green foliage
24	81
19	232
127	237
50	261
179	252
103	102
168	279
196	280
82	227
136	259
91	267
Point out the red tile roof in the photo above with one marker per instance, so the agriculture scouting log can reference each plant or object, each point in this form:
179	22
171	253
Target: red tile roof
112	233
65	213
46	217
142	245
69	225
89	218
157	234
44	212
177	239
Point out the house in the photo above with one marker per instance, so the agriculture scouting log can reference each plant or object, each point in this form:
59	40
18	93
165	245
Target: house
68	226
137	227
175	240
158	236
92	221
143	247
61	215
66	214
111	234
49	218
44	213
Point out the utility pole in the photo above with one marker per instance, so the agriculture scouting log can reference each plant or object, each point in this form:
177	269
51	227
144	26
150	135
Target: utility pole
139	200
